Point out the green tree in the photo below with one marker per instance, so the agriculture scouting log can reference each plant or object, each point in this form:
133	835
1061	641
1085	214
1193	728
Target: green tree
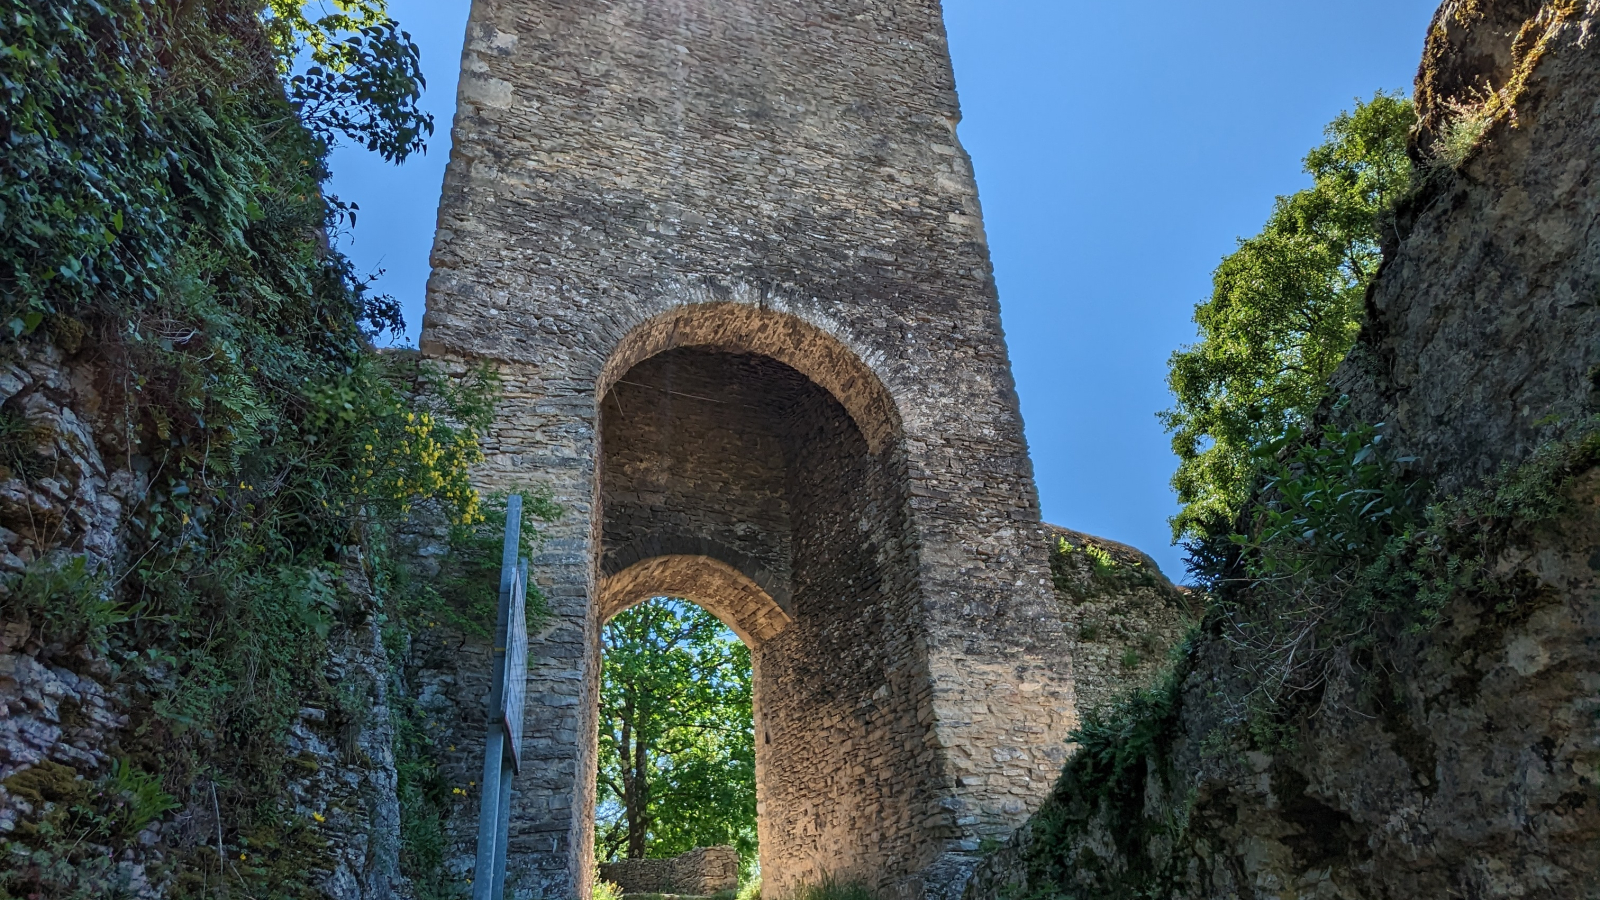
677	746
362	76
1284	311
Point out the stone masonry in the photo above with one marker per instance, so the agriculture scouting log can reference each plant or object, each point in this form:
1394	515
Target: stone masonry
729	259
701	872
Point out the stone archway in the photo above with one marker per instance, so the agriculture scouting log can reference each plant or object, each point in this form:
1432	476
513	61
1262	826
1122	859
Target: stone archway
718	588
736	481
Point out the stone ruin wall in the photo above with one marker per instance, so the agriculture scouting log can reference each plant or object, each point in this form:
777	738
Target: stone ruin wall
777	186
701	872
1123	616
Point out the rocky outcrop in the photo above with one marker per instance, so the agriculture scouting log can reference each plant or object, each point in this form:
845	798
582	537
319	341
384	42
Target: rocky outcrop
65	714
57	492
1480	340
1462	760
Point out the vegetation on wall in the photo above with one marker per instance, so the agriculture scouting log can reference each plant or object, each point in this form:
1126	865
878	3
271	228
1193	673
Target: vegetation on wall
165	225
677	746
1284	311
1344	553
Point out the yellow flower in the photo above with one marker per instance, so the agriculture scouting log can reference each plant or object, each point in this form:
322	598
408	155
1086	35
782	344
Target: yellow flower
319	817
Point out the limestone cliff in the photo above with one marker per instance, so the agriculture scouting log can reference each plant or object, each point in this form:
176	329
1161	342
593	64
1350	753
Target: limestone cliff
1458	757
70	712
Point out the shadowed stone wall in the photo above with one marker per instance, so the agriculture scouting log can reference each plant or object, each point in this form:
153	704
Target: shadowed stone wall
728	256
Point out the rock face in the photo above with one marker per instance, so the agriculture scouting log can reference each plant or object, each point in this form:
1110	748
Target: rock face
1464	761
701	872
728	257
1481	343
57	494
64	715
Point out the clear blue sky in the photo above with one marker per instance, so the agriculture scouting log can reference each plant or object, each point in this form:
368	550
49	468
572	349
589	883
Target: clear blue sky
1121	148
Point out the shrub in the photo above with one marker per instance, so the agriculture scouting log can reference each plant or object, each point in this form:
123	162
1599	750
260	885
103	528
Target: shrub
830	888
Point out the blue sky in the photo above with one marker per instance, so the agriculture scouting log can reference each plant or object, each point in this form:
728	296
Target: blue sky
1120	151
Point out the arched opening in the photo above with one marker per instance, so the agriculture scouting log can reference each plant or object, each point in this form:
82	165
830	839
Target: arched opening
675	799
719	588
752	464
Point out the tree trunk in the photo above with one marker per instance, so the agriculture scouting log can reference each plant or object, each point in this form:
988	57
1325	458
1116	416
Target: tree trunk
638	802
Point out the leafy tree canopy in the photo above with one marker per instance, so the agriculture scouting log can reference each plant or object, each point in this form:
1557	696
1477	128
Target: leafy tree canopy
677	747
1285	309
364	77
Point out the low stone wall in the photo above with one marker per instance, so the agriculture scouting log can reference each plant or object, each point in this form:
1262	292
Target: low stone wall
701	872
1121	614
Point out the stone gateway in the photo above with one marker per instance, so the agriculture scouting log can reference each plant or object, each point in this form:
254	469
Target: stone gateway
729	259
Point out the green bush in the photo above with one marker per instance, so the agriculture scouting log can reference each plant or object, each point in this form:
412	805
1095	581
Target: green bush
61	601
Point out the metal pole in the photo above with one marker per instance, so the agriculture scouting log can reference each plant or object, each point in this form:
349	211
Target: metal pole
488	882
507	775
489	815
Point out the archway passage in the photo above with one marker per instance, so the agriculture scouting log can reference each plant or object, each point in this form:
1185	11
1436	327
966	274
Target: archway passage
734	481
676	753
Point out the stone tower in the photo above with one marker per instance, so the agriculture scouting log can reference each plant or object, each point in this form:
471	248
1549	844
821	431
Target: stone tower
729	258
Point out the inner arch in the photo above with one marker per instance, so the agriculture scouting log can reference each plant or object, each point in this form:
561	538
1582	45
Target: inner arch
713	585
786	338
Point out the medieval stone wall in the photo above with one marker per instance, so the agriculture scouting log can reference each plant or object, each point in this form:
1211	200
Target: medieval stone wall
780	179
701	872
1123	616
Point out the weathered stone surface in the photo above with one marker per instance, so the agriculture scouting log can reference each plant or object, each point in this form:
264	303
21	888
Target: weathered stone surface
57	495
62	705
1466	763
701	872
1480	343
1123	616
729	258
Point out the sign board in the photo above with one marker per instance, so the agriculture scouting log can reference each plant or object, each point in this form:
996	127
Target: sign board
516	669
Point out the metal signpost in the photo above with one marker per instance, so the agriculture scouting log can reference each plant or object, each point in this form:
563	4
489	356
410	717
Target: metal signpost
502	750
